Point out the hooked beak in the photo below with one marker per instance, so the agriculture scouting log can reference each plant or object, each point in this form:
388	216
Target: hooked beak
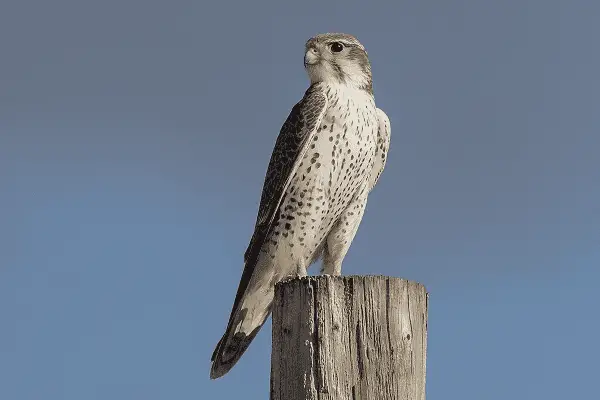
311	57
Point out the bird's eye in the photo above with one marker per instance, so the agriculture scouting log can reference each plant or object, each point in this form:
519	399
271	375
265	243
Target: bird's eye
336	47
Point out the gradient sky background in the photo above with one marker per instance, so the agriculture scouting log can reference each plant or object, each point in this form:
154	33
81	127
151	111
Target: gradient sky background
134	138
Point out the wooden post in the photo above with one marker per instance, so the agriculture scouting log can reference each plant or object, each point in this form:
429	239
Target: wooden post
349	338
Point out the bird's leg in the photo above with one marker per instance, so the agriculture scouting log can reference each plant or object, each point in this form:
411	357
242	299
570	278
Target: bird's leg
341	235
301	268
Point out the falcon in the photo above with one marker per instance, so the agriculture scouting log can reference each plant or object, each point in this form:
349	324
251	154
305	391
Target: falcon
328	156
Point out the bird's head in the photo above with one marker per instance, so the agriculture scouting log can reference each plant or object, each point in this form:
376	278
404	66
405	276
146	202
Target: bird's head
338	58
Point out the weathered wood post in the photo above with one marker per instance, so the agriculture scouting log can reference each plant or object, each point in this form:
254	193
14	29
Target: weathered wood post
349	338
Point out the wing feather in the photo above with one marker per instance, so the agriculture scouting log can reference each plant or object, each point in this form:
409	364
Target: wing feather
383	146
290	147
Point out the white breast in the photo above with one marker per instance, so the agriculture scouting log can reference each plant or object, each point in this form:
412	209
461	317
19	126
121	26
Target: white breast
346	141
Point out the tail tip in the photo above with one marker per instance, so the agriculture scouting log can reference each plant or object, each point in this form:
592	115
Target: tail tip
217	370
227	353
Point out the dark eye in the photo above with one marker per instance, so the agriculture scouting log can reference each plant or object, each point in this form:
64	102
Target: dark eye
336	47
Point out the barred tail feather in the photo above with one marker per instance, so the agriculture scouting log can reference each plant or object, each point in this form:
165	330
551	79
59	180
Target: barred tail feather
245	322
231	347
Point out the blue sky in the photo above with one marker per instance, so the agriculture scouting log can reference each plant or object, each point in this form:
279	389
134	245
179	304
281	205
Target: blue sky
134	138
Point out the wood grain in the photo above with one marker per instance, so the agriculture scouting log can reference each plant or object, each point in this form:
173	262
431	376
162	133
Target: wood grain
350	337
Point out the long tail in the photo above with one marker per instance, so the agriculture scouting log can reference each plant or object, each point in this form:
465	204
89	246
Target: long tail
247	317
